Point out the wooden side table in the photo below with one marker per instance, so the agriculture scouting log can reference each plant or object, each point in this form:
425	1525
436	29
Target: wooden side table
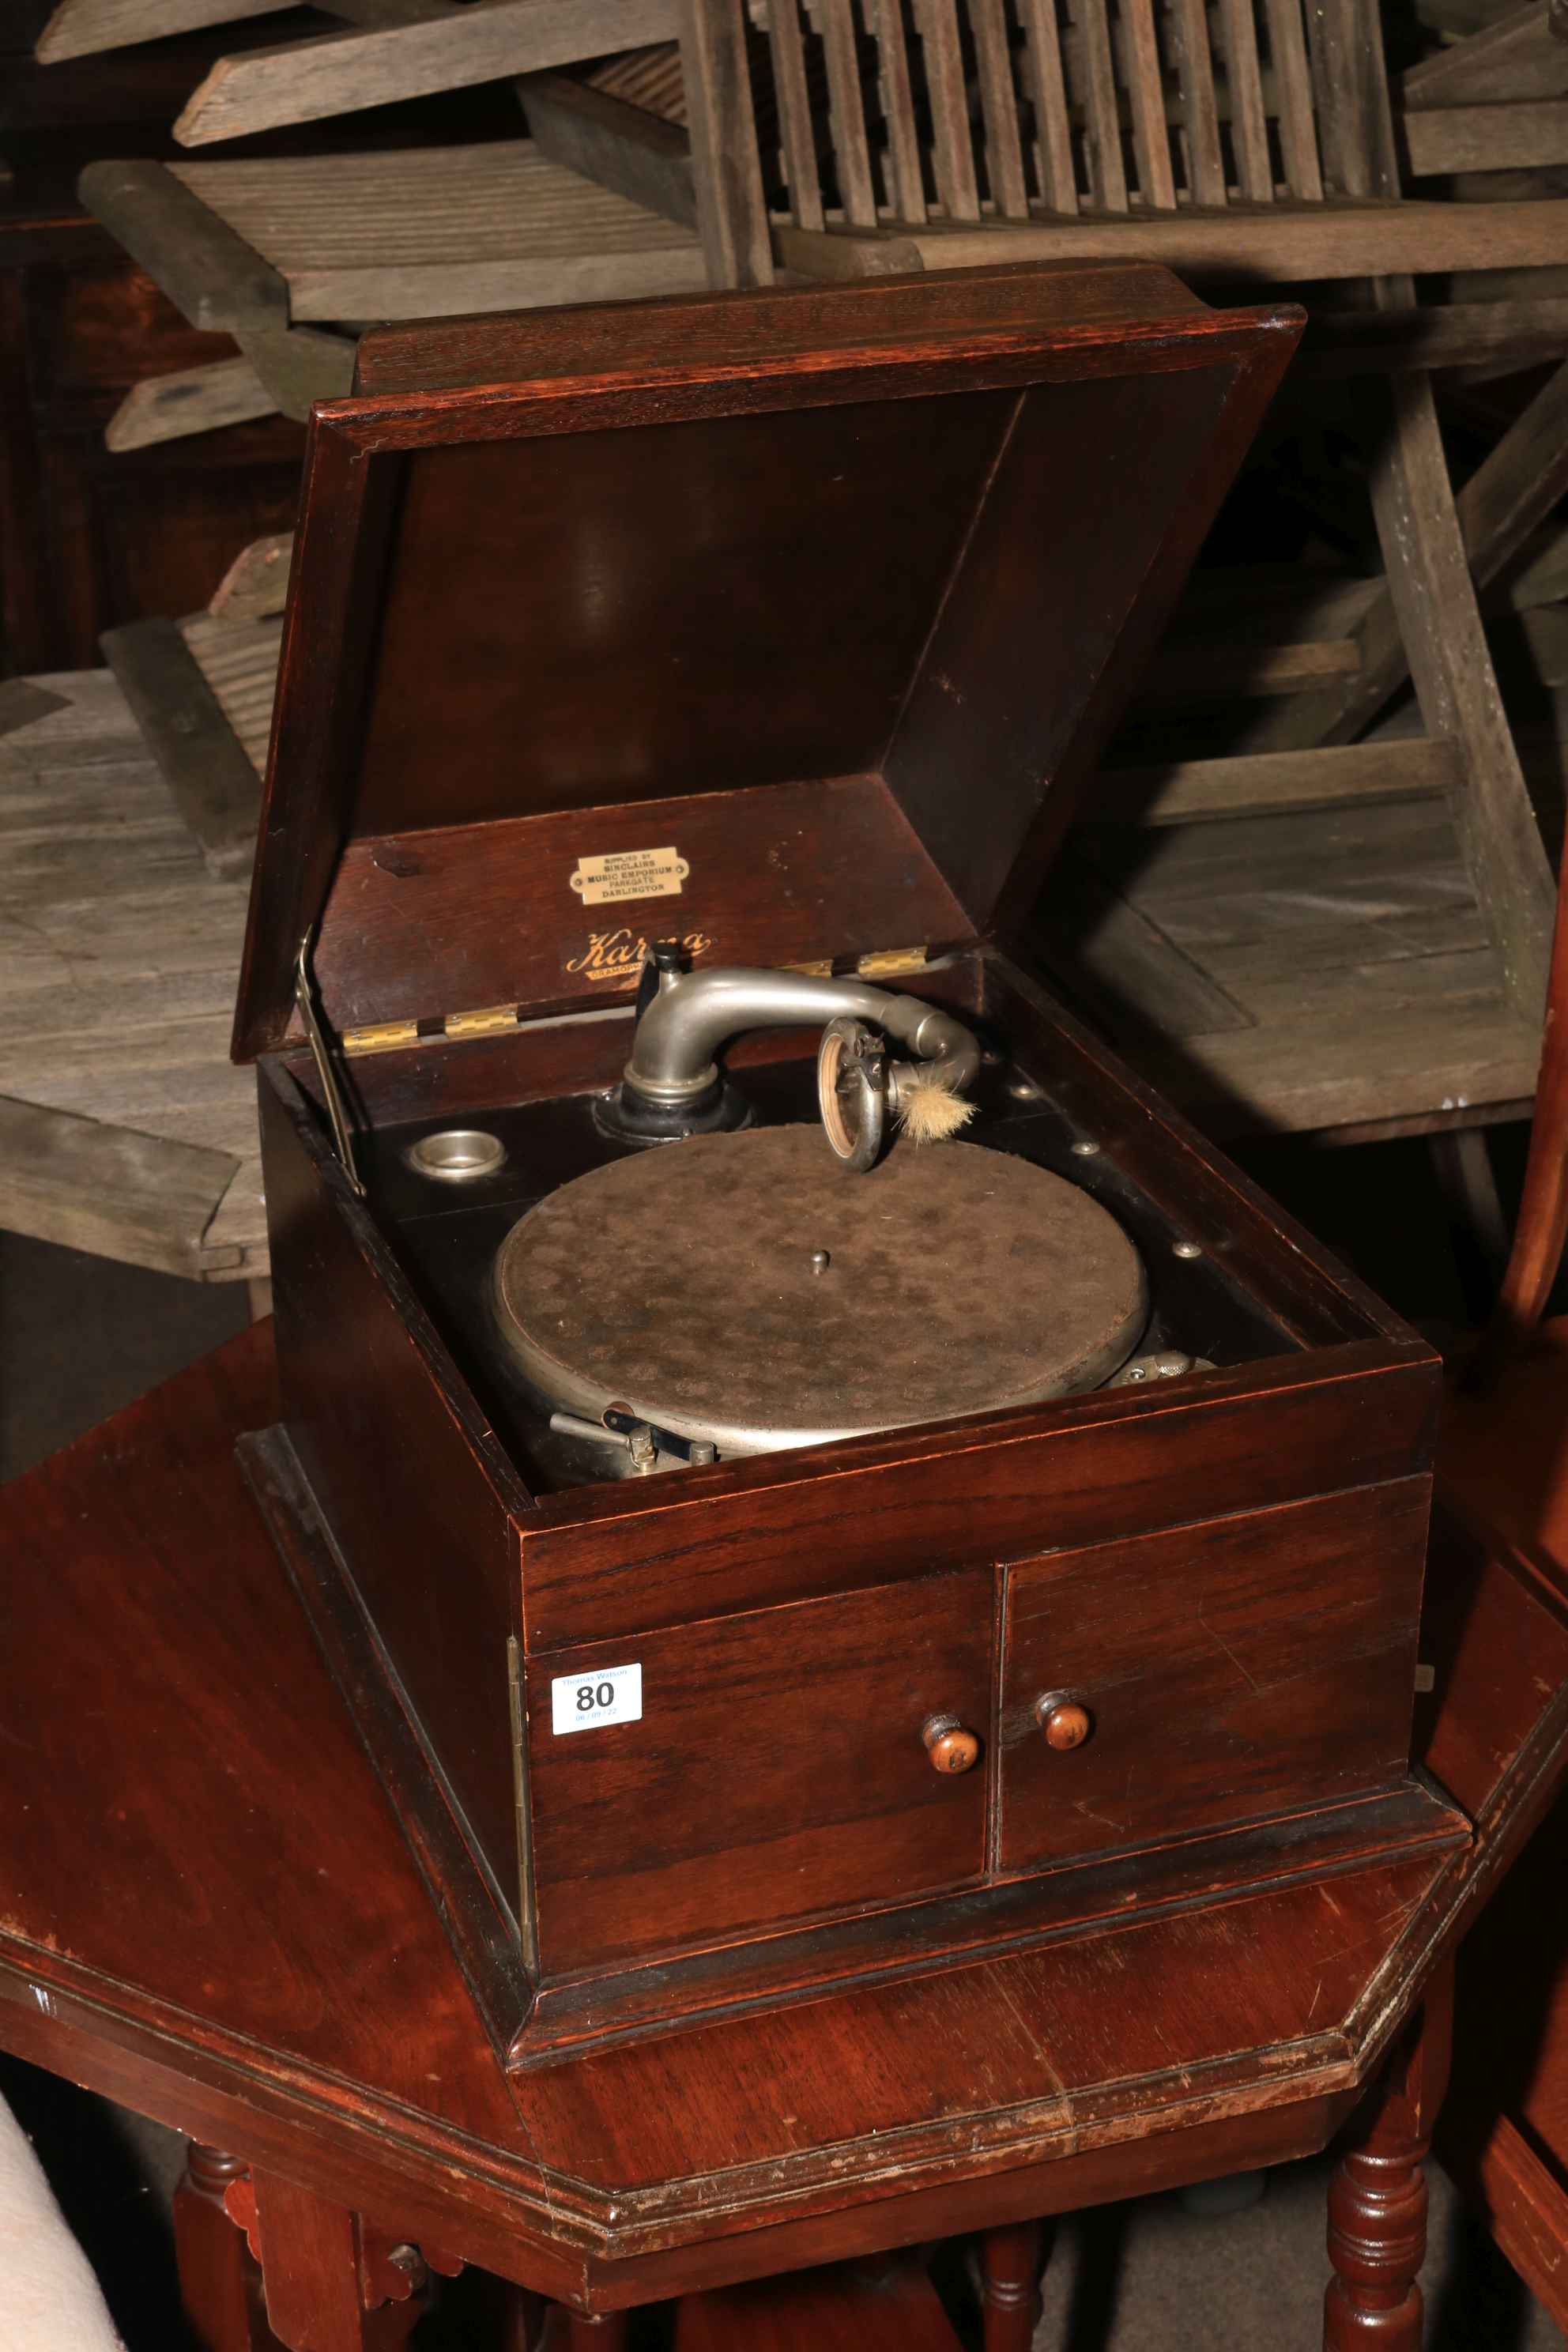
210	1913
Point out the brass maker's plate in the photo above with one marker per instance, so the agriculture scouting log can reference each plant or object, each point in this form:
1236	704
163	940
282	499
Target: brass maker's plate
686	1284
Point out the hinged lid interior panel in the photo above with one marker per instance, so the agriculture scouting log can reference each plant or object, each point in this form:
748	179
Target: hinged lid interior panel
798	658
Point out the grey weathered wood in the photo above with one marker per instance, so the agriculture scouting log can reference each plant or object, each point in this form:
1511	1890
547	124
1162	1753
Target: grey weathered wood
887	18
1293	84
1539	576
732	216
79	28
1096	93
952	158
1185	792
256	584
796	133
1434	602
213	783
1504	502
999	106
1201	668
122	1122
1195	66
1514	58
1124	965
1341	342
846	112
302	81
239	663
1048	87
428	231
299	365
1248	123
1508	135
192	400
639	154
142	1198
1151	138
1326	241
214	277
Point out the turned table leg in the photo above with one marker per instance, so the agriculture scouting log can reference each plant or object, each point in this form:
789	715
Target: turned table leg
1010	2260
220	2285
1377	2199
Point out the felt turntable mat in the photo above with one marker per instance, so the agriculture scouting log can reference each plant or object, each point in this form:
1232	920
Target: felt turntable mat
681	1283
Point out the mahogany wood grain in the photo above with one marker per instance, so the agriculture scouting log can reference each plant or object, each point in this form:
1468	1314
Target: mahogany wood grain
779	1770
472	565
1228	1668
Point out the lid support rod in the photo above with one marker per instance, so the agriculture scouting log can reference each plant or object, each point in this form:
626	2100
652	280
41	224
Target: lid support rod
326	1070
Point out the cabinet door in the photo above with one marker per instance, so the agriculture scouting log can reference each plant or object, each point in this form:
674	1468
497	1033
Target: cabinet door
777	1768
1249	1665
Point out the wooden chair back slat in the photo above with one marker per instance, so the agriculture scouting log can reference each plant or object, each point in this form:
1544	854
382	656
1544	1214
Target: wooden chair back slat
847	111
791	97
1048	94
1092	68
1293	88
1145	87
907	178
953	157
999	109
1200	129
1249	121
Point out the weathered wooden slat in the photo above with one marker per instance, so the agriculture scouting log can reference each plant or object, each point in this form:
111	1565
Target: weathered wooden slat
637	154
1320	241
1151	138
999	109
1249	121
1195	70
1048	89
1508	135
1113	955
299	365
77	28
1293	87
908	189
142	1199
732	214
846	112
192	400
1198	668
214	785
302	81
796	128
425	233
953	157
1185	792
1514	58
1093	77
1433	335
256	584
239	663
1507	499
207	270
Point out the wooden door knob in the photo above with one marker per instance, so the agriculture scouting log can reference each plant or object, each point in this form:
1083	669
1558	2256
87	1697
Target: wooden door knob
950	1747
1066	1722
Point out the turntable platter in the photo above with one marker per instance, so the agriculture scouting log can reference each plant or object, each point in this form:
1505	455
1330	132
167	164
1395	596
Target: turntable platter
751	1290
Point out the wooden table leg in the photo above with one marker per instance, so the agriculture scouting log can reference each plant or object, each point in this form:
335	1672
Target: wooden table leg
1377	2199
220	2285
1011	2260
606	2333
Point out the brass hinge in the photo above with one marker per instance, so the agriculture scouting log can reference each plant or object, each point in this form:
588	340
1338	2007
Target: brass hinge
887	962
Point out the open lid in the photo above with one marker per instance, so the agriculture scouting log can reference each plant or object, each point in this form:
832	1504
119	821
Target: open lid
783	622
